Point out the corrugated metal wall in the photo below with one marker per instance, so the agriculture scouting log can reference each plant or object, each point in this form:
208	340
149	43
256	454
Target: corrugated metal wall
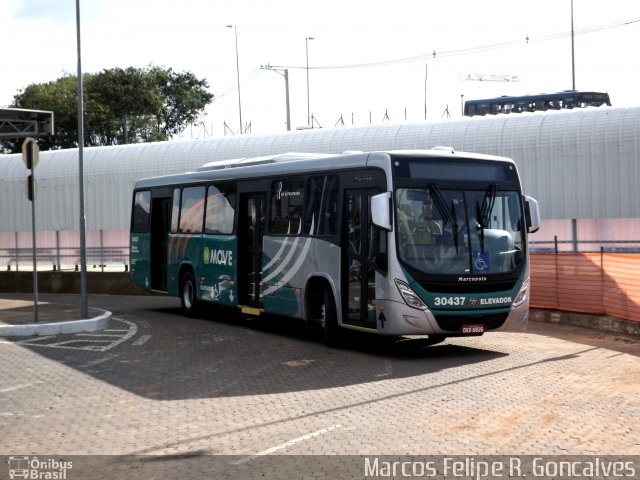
578	164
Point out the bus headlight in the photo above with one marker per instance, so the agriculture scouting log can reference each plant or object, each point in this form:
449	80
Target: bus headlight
523	294
410	297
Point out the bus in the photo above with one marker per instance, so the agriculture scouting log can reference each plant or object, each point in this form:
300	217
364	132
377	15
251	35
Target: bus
533	103
430	243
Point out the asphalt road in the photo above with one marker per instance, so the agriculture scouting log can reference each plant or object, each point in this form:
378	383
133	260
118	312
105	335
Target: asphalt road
157	383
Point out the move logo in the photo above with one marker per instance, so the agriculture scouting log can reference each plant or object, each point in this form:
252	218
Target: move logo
217	257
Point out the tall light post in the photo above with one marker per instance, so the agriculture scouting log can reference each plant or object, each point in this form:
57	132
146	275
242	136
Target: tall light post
306	41
573	57
84	308
235	31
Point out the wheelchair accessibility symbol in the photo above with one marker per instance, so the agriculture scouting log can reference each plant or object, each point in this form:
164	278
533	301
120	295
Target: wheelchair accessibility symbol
480	262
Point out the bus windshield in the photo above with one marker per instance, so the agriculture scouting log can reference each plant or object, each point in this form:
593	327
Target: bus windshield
453	231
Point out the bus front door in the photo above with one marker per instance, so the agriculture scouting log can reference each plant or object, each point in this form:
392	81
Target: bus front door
250	232
360	250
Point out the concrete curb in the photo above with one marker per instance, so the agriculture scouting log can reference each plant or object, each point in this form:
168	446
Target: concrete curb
71	326
603	323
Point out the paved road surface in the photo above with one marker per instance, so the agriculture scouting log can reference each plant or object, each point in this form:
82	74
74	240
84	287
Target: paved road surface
156	382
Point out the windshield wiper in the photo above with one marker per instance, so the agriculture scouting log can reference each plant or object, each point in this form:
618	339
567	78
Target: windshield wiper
483	213
449	216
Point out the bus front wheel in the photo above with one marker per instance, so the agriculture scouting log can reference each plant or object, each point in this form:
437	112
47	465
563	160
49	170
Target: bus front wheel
188	293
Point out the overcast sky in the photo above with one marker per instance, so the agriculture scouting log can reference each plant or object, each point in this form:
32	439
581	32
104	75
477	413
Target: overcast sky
367	58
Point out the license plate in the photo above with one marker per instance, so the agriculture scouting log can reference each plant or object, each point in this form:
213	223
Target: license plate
473	329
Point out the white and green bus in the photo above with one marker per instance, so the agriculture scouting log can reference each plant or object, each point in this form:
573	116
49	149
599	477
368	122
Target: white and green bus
396	243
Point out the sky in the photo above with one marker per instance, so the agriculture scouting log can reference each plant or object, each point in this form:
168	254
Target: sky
368	62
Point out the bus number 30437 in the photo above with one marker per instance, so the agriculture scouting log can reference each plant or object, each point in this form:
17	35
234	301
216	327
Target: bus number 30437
441	301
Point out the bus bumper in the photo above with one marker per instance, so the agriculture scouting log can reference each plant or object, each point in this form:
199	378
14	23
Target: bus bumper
399	319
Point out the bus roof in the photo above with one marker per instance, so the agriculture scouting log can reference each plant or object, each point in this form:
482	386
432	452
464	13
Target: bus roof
302	163
263	160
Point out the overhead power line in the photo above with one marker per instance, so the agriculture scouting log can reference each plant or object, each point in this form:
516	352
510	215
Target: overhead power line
470	50
256	72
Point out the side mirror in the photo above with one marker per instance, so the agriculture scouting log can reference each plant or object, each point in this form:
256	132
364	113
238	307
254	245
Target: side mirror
532	214
381	211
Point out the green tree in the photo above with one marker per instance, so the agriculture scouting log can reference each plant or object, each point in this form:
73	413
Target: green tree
130	95
120	106
185	96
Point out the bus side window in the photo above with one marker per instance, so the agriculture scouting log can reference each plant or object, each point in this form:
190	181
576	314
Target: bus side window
221	203
287	197
141	210
175	210
192	210
321	206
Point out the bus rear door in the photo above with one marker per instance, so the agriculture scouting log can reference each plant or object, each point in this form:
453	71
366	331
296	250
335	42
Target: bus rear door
160	224
251	227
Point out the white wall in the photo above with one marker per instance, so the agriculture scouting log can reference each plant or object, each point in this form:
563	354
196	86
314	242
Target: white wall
582	164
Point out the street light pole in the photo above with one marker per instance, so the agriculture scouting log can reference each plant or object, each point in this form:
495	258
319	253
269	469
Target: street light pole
306	40
573	57
84	304
235	31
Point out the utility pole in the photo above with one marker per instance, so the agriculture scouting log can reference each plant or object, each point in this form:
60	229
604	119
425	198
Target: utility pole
426	75
285	74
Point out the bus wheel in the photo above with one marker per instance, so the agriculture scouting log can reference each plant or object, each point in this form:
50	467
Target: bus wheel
333	335
188	295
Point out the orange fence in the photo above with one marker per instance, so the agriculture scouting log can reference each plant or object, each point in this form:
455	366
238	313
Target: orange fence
598	283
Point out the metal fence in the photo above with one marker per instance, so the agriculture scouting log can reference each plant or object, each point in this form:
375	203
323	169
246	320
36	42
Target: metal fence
601	283
590	276
584	246
60	250
110	258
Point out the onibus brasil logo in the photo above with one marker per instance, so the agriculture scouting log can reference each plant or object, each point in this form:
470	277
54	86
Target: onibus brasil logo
36	469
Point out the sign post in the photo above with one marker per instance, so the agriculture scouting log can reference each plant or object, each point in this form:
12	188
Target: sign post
31	155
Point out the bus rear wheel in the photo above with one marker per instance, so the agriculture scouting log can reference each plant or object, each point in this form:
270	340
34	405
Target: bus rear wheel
188	293
333	335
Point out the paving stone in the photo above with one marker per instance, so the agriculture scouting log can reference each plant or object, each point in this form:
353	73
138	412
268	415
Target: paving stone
219	385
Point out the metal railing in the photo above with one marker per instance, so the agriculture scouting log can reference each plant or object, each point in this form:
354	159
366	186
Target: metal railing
65	258
584	246
117	257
